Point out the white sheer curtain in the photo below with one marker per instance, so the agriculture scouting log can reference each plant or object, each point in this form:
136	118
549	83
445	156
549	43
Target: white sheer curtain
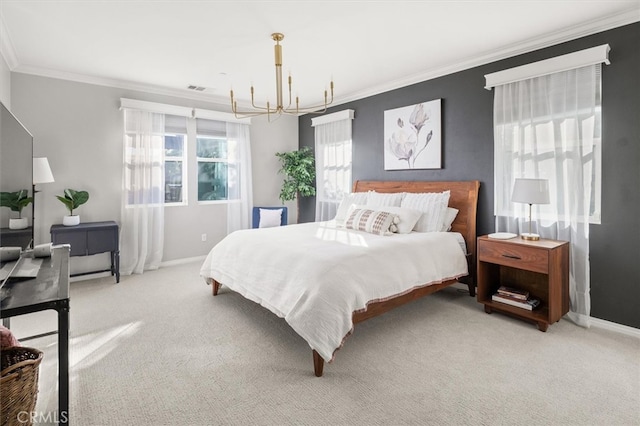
546	127
142	211
239	177
333	151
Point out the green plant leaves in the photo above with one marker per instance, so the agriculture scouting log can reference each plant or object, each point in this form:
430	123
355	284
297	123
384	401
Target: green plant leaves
16	201
300	174
73	199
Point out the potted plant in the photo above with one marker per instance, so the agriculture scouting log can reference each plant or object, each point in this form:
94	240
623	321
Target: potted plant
72	199
16	201
299	170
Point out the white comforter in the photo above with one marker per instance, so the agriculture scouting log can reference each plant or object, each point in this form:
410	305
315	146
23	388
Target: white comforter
315	275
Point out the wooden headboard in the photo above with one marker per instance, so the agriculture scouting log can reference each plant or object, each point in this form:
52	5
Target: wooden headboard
464	197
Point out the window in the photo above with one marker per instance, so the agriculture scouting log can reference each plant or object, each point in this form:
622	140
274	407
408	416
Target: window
212	168
175	165
214	154
143	142
168	145
174	150
333	150
547	138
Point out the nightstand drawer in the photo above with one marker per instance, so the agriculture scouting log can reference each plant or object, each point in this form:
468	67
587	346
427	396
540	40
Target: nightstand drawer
514	255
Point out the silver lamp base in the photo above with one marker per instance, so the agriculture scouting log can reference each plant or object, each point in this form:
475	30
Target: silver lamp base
530	237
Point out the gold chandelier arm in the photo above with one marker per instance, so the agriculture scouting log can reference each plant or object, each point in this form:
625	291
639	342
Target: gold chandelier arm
313	109
279	108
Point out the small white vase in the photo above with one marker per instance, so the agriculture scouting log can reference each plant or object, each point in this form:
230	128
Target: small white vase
71	220
21	223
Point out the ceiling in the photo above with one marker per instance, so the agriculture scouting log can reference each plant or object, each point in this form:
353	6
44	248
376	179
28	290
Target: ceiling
366	47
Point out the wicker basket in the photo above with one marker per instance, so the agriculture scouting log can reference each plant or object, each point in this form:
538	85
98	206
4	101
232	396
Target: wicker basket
19	384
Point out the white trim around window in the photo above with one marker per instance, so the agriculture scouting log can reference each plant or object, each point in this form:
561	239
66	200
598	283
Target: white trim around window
346	114
579	59
181	111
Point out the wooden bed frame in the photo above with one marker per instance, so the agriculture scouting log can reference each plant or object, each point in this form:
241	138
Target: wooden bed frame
464	197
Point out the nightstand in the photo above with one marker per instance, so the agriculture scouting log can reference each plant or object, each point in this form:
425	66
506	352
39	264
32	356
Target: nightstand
539	267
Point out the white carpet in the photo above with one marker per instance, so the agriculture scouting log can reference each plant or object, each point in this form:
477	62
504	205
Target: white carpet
159	349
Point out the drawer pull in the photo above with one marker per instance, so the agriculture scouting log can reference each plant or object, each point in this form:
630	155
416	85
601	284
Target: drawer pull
510	256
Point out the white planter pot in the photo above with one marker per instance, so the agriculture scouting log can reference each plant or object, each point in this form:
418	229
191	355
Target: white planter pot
71	220
21	223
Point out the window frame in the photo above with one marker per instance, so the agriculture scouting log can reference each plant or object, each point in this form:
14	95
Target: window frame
184	191
226	161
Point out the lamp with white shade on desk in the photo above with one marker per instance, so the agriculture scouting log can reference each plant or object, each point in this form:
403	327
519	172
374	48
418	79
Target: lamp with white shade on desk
530	191
41	174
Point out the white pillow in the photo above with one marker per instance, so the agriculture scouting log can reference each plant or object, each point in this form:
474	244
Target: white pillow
270	218
378	199
407	218
449	217
374	222
346	203
433	206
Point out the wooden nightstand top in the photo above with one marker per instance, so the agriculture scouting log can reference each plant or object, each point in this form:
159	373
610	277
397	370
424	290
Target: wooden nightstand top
541	243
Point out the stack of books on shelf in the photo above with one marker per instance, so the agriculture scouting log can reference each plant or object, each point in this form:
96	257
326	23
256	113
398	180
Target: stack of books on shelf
515	297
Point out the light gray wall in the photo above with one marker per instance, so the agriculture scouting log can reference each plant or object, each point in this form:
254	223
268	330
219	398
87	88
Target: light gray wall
78	127
278	136
5	83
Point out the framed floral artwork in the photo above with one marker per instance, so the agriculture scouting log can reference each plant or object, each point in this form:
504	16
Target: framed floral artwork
413	137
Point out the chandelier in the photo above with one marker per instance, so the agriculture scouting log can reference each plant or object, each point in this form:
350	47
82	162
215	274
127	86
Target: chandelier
279	108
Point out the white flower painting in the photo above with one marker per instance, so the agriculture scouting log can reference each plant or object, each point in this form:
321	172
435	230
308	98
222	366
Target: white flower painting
413	137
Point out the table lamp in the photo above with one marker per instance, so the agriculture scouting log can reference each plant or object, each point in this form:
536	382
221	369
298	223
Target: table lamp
530	191
41	174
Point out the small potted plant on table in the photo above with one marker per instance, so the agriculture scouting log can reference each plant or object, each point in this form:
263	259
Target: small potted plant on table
16	201
72	199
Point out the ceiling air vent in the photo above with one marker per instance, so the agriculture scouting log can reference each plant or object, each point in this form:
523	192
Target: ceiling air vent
196	88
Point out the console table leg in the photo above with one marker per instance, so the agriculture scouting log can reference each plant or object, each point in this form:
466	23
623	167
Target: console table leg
63	367
117	259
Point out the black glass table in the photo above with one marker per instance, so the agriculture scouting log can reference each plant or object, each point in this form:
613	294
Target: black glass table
49	290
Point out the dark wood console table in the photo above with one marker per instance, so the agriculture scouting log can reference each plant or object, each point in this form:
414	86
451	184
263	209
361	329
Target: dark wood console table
15	237
91	238
49	290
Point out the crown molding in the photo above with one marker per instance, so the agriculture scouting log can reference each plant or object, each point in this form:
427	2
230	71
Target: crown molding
571	33
568	34
221	103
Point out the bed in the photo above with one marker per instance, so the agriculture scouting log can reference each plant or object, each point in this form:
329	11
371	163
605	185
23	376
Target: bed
323	279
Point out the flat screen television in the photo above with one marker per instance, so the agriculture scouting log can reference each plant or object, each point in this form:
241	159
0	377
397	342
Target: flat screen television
16	164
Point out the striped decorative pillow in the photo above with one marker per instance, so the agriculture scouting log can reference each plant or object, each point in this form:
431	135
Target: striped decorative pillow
374	222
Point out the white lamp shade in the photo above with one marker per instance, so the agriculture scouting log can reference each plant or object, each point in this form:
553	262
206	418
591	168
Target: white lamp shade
41	171
531	191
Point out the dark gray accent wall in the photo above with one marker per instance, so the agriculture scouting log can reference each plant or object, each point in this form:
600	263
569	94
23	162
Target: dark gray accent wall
467	146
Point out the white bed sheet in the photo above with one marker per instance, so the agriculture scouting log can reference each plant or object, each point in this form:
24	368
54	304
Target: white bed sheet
315	275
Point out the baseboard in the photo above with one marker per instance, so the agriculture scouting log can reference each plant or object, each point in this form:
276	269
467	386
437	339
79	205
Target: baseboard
162	265
593	322
182	261
613	326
